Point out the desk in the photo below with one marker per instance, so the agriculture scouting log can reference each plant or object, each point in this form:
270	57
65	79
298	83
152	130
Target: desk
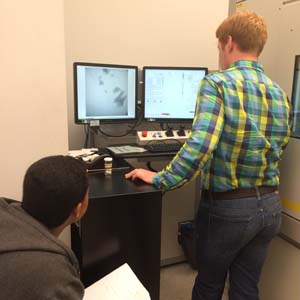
122	224
179	205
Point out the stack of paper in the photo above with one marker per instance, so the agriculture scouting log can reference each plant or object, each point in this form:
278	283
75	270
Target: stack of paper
83	152
121	284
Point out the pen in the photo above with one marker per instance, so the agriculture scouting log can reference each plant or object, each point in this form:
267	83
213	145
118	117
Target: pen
100	170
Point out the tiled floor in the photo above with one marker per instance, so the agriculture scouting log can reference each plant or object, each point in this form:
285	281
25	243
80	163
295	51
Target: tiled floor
176	282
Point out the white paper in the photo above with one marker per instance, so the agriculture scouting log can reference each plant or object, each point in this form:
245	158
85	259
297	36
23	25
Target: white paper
121	284
83	152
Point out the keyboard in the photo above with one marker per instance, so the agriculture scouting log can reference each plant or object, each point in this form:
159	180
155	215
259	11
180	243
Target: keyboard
163	147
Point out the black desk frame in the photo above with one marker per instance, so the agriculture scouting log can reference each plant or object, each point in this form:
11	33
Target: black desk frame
122	224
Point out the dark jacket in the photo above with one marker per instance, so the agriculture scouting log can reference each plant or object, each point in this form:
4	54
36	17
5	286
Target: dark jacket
34	264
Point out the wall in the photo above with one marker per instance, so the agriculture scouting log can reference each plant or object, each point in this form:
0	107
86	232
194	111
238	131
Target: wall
280	276
157	32
33	114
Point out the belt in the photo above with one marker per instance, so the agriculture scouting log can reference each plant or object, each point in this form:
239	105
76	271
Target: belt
240	193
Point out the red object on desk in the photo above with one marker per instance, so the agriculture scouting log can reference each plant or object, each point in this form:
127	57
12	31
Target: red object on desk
144	133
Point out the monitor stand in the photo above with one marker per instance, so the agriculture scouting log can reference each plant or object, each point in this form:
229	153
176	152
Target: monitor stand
181	131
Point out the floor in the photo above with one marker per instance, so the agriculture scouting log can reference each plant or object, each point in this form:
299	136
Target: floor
176	282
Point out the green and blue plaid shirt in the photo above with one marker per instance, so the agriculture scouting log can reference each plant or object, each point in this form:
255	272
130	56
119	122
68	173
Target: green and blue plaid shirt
240	128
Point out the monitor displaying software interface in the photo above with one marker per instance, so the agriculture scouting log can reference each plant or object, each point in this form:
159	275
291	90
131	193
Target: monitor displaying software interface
104	92
170	93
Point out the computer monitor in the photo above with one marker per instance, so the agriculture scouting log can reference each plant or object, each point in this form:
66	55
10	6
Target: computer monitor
296	98
104	92
170	93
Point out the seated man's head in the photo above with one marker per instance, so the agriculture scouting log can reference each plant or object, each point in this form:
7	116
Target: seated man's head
55	191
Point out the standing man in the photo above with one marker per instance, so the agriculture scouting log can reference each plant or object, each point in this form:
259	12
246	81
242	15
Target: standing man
34	263
240	129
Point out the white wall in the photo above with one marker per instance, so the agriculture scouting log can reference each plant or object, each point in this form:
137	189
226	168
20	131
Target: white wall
33	112
157	32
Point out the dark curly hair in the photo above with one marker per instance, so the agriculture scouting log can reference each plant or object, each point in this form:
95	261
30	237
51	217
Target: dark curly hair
52	188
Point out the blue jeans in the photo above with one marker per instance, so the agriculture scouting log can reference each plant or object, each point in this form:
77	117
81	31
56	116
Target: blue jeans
232	238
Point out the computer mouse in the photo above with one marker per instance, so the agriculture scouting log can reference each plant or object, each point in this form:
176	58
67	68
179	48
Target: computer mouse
138	181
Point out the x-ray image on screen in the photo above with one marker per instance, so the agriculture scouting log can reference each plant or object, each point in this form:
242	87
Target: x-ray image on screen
106	92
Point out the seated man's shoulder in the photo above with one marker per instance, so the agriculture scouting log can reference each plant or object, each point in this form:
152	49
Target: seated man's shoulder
32	261
45	275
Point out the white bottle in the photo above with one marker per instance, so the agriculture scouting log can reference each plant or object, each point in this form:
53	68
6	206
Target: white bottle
108	165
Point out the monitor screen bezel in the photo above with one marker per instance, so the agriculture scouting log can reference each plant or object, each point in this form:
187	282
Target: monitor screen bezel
167	120
103	120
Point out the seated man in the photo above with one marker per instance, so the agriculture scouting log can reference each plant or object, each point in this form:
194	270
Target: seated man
34	263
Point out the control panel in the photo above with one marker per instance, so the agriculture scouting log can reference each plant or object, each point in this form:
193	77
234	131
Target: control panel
145	136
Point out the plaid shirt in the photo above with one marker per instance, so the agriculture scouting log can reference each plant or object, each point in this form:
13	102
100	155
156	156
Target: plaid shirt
240	129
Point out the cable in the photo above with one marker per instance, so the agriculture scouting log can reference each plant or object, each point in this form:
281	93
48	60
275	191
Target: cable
131	129
119	135
87	133
148	164
162	127
167	126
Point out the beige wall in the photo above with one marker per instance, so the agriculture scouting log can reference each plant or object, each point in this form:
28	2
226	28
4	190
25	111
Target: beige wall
280	276
157	32
33	113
